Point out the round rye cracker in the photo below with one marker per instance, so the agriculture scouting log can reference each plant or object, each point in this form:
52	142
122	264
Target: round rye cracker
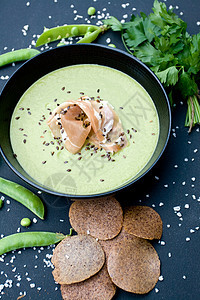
108	244
77	258
143	222
102	218
134	265
97	287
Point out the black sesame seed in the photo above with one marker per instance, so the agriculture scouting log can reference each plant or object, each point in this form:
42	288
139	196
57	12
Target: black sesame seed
55	100
80	158
101	180
63	88
44	162
98	90
68	170
17	118
68	92
121	107
65	162
21	129
24	141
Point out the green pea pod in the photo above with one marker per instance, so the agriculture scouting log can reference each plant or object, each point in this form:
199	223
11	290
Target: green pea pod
90	37
17	55
29	239
62	32
22	195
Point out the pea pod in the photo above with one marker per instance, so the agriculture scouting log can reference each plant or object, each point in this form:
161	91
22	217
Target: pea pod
29	239
22	195
61	32
90	36
17	55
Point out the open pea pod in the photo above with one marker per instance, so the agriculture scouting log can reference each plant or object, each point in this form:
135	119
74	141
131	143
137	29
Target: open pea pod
66	31
22	195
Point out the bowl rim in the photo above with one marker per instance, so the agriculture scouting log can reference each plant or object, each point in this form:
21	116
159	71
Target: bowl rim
118	189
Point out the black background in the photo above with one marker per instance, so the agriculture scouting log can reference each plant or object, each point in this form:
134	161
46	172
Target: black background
173	182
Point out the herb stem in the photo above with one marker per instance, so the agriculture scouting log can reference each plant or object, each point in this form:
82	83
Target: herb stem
127	49
192	115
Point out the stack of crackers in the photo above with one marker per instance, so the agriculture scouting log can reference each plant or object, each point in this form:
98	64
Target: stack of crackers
111	249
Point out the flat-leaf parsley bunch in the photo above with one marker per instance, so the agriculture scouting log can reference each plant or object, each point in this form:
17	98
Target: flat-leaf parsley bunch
160	40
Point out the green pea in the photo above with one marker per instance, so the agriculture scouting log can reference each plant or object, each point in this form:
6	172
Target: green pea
91	11
25	222
75	31
112	45
90	29
1	203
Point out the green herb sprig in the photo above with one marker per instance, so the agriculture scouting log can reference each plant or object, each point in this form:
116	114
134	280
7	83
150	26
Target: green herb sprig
160	40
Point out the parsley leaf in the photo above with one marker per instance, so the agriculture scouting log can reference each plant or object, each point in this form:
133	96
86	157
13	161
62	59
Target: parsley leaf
114	23
169	76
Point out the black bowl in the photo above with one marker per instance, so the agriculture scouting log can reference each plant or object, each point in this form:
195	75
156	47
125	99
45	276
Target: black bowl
51	60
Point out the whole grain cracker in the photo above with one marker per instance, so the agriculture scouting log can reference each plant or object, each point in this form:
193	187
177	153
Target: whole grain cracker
77	258
143	222
134	265
97	287
108	244
102	217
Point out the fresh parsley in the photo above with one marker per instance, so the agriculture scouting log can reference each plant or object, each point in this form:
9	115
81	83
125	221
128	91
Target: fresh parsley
160	40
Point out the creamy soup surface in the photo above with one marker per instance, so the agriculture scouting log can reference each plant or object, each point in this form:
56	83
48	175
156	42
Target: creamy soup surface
89	171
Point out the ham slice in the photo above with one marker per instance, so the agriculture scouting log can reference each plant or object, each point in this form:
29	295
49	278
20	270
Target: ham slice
75	121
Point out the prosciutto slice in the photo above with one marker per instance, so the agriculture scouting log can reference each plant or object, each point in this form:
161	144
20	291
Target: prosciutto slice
75	121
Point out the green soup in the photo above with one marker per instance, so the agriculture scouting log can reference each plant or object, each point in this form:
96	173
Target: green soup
90	171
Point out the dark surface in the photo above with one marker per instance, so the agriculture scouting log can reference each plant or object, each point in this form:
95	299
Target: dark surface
172	183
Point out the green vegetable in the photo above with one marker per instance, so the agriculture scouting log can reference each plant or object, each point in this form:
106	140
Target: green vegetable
17	55
25	222
91	11
22	195
29	239
160	40
61	32
112	45
1	203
